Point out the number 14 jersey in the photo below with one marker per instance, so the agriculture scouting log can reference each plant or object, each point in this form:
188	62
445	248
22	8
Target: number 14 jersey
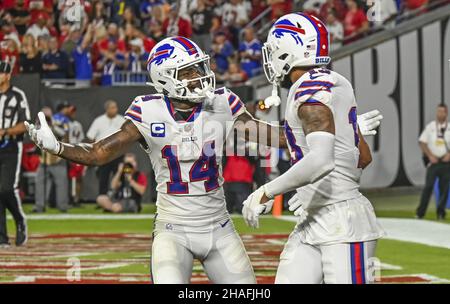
186	155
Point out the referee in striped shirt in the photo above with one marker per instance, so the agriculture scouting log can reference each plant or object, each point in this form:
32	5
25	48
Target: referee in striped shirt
14	111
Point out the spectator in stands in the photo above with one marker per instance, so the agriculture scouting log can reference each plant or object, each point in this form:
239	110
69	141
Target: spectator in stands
250	53
8	31
114	37
258	7
279	8
55	62
148	7
137	57
355	22
39	7
384	12
235	76
156	31
53	169
9	52
117	8
235	15
82	58
222	50
176	25
313	7
20	16
201	24
30	56
43	44
130	18
39	28
101	127
98	16
111	61
72	40
128	186
336	30
337	6
435	145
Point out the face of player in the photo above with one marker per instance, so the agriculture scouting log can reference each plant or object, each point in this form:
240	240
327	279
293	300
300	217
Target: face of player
441	114
192	72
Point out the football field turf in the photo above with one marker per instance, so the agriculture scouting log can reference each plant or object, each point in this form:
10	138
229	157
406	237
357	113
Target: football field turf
116	249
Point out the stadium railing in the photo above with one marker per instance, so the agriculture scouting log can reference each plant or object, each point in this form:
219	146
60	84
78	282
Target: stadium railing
129	78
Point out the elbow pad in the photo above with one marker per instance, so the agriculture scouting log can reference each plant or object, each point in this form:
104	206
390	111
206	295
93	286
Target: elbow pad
312	167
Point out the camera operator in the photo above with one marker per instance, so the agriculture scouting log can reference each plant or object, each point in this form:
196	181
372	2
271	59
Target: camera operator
128	185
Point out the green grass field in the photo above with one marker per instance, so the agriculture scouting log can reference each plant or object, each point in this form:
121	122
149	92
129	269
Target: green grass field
412	258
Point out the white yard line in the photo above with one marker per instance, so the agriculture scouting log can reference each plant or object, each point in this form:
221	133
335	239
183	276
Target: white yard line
57	217
410	230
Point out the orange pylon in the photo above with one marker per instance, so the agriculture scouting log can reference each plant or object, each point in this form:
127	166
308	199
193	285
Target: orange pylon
277	209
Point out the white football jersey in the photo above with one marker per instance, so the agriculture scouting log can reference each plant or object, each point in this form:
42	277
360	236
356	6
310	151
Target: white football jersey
186	155
333	90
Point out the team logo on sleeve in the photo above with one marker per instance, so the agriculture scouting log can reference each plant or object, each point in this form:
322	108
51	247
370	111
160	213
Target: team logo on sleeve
158	129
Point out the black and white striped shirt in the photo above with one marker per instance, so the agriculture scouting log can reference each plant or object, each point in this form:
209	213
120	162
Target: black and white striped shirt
14	109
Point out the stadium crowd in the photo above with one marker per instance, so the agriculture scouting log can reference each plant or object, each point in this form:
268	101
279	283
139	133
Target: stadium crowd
117	35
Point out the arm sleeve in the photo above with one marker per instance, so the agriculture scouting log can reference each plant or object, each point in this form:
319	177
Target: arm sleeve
316	164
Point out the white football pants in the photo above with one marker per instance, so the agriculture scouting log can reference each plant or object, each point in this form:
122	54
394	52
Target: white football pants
345	263
220	251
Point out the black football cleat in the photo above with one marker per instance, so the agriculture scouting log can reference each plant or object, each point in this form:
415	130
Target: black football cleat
21	234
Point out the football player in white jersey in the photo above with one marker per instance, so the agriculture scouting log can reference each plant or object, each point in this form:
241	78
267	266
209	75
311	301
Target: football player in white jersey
335	238
183	129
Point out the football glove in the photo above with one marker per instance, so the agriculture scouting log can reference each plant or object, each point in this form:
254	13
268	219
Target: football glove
43	137
368	122
252	208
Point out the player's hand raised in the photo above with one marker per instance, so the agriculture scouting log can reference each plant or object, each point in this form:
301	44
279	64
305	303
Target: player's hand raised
369	121
43	137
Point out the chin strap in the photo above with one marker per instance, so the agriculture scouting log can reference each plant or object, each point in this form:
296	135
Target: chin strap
274	99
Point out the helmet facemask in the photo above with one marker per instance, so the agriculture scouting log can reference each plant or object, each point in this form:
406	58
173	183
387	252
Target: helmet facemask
193	81
275	69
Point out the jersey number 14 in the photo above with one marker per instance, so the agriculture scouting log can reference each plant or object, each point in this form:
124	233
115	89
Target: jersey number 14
204	169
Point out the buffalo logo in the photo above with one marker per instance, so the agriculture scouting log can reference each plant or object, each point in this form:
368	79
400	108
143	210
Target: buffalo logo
161	54
286	27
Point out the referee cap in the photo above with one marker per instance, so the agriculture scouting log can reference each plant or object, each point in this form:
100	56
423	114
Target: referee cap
5	67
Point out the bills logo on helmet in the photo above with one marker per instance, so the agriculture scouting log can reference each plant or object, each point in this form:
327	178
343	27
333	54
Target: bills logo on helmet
162	53
284	26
